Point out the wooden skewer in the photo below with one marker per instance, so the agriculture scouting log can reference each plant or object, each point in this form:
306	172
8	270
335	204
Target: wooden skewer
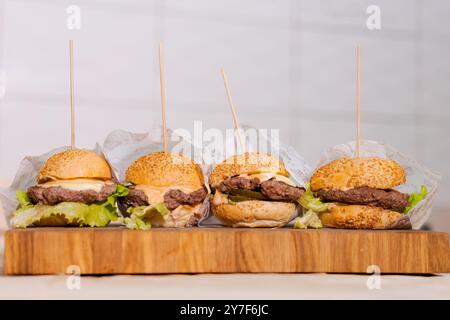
233	109
358	102
72	104
163	96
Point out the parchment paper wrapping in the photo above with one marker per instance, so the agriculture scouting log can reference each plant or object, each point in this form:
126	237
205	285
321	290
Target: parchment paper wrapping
26	177
416	174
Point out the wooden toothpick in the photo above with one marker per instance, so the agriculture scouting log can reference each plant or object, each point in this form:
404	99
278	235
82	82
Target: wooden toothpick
163	96
358	102
233	109
72	104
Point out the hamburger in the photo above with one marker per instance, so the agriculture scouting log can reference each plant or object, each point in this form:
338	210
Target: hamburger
358	193
73	188
253	190
165	190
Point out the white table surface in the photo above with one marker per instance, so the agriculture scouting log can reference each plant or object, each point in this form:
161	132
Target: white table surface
231	286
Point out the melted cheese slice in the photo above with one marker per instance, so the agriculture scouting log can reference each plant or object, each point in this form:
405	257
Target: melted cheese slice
267	176
76	184
156	194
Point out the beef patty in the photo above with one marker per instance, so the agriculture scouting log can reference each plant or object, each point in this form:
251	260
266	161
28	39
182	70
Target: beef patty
54	195
135	198
280	191
387	199
172	198
271	189
238	183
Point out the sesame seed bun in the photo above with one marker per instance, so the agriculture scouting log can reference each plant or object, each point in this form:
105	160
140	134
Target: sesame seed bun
160	169
74	164
247	163
349	173
252	213
359	217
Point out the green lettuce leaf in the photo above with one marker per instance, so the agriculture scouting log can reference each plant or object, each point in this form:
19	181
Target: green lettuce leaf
147	212
140	217
66	213
24	201
121	191
70	213
135	223
309	220
310	202
415	198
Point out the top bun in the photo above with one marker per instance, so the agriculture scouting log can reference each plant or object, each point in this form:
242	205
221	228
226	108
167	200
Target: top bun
247	163
74	164
347	173
161	169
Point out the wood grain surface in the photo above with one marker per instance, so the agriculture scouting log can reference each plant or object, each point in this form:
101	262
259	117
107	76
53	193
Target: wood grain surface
223	250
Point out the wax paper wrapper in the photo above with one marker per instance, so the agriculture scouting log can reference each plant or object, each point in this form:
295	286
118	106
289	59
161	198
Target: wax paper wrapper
121	148
416	175
26	177
250	139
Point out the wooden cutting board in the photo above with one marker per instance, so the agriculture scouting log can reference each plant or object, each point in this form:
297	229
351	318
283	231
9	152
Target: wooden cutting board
223	250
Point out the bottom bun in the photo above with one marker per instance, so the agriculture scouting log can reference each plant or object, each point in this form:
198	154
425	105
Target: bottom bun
362	217
253	213
182	216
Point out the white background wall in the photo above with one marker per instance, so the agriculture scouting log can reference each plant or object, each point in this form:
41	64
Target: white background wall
290	64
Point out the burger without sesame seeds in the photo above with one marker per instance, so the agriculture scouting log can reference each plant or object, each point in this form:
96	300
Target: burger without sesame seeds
74	188
165	190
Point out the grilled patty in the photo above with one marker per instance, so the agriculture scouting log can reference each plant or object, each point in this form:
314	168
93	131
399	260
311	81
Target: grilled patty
238	183
172	198
271	189
280	191
387	199
54	195
135	198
